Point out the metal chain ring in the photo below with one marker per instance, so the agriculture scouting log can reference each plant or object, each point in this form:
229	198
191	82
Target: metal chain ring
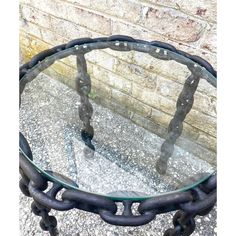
83	87
189	202
48	52
197	201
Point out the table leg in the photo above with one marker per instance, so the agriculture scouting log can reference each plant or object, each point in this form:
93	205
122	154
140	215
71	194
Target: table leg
83	87
47	223
183	107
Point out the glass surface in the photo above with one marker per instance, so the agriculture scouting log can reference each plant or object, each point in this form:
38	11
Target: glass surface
133	95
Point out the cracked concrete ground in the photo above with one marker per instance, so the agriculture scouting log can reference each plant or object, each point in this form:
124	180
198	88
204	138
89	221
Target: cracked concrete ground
51	127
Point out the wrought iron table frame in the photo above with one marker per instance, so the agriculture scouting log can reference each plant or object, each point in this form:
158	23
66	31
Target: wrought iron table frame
197	201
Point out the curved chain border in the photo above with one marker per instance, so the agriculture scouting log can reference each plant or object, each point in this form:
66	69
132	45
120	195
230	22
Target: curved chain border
42	55
197	201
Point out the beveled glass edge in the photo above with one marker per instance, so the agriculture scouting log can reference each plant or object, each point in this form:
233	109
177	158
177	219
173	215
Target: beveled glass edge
66	185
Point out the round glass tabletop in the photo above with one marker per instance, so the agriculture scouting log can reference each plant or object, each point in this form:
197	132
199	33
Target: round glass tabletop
121	119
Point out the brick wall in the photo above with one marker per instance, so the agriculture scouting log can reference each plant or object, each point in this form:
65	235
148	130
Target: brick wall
137	86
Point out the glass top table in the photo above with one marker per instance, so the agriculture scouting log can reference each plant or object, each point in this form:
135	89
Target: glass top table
102	118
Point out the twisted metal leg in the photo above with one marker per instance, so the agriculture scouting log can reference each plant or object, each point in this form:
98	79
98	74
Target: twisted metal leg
83	87
183	107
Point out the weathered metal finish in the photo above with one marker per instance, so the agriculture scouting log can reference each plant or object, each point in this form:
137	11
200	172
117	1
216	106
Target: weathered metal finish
183	107
83	87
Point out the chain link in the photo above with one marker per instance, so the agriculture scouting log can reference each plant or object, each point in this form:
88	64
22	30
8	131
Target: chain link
83	87
47	223
27	66
184	225
189	202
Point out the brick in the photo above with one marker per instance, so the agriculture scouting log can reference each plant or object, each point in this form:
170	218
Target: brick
205	104
197	150
141	108
206	88
167	3
173	24
72	13
178	72
100	89
202	122
207	141
80	2
90	20
155	84
35	16
101	59
53	7
149	125
25	2
24	38
208	56
63	31
134	31
136	74
205	9
153	99
167	105
25	54
168	88
112	79
33	44
119	109
147	96
63	79
69	61
190	132
124	56
160	118
145	34
209	41
64	70
125	9
52	38
31	28
163	119
68	29
123	99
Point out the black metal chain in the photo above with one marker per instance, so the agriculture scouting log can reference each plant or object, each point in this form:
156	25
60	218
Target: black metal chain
197	201
183	107
184	224
47	223
83	87
122	38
